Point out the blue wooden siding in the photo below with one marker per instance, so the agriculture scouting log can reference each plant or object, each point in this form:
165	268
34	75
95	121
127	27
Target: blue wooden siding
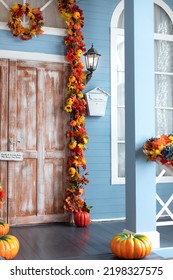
108	200
42	44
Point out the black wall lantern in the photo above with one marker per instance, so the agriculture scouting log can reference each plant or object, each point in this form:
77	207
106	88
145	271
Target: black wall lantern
91	62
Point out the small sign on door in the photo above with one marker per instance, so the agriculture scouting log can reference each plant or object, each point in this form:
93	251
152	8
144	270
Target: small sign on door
12	156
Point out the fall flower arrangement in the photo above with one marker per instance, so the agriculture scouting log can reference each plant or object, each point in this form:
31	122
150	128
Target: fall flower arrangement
2	196
160	148
35	21
75	104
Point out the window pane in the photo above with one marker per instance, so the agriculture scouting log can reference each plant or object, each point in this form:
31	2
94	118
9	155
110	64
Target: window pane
121	124
163	88
163	23
120	89
120	52
163	56
121	21
121	160
164	121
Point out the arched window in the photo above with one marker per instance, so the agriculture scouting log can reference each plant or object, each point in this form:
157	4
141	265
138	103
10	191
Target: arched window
163	37
53	23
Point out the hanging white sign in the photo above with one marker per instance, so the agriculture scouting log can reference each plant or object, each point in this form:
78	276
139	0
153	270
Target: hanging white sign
13	156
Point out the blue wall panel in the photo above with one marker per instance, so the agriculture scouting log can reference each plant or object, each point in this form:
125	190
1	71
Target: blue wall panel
42	44
108	201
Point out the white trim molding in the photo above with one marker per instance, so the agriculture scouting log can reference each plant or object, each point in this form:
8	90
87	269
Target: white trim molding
32	56
47	30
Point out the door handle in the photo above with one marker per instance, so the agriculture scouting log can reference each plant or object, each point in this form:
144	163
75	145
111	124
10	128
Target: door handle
12	144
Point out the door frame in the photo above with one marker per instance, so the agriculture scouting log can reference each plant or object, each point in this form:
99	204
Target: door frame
33	56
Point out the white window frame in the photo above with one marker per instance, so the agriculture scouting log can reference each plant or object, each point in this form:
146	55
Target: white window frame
115	31
47	30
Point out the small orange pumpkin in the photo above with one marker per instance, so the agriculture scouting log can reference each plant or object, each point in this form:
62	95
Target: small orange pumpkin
130	246
9	246
4	228
82	218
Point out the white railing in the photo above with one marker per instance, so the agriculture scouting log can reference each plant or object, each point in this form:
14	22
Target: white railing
164	205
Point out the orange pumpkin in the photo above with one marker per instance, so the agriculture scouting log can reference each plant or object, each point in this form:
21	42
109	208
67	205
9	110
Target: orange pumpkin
9	246
130	246
4	228
82	218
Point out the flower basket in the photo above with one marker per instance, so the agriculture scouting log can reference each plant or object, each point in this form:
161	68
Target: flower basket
160	150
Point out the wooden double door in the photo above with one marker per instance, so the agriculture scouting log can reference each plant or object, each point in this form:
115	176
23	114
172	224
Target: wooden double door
31	113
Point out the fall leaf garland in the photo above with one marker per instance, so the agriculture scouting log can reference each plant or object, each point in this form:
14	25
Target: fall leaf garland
75	104
2	196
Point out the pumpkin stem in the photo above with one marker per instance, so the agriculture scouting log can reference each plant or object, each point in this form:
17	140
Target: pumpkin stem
131	235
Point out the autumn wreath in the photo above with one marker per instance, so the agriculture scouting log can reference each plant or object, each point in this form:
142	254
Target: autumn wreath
35	21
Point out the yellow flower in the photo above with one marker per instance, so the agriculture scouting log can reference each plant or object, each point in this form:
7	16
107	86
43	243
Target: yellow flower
66	16
76	15
80	95
30	15
69	101
80	120
15	7
68	108
85	140
70	32
83	75
72	145
171	138
83	161
79	52
70	86
72	79
81	146
76	176
71	171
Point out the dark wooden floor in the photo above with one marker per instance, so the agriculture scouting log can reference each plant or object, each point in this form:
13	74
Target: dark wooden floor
68	242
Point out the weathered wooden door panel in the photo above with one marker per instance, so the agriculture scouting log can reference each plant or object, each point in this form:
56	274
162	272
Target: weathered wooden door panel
36	122
3	124
53	170
22	189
